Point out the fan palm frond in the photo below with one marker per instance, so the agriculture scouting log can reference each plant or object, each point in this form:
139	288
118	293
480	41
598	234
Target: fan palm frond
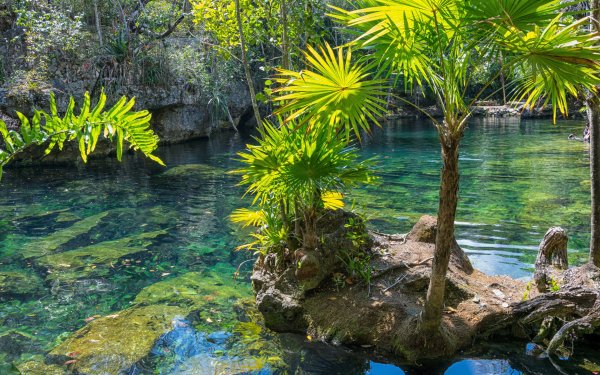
332	90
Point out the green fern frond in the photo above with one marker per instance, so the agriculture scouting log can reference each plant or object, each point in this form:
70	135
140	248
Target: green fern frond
119	124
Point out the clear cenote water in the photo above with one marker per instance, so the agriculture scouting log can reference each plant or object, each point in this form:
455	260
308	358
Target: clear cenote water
88	240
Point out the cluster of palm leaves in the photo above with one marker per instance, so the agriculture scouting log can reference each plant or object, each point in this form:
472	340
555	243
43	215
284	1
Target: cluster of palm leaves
119	124
295	171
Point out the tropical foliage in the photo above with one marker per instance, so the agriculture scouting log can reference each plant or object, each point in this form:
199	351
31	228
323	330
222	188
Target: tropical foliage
294	172
332	91
438	45
118	124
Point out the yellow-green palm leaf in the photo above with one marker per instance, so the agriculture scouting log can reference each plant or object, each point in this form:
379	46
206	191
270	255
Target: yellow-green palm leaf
331	91
554	61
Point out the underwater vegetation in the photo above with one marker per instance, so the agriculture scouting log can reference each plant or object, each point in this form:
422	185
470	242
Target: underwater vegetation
148	245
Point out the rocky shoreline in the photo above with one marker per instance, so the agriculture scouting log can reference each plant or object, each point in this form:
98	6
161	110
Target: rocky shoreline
384	313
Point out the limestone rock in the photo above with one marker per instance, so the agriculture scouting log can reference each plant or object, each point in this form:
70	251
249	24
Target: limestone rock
280	285
113	344
282	312
309	270
425	230
37	366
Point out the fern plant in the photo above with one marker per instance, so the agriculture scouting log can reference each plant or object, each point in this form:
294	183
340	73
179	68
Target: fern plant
119	124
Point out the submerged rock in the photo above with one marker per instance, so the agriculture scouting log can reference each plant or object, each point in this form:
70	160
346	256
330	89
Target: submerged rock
94	260
204	364
192	171
38	367
185	350
113	344
183	342
15	342
193	289
20	283
50	243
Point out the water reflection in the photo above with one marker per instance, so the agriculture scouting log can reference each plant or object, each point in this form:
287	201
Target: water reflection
482	366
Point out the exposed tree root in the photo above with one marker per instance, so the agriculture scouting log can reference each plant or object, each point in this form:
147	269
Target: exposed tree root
586	325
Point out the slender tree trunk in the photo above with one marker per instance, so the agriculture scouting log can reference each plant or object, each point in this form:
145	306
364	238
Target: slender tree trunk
98	23
594	121
593	105
238	16
285	60
434	306
502	79
310	240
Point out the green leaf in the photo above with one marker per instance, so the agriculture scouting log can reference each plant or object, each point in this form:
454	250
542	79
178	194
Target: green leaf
86	129
119	135
331	91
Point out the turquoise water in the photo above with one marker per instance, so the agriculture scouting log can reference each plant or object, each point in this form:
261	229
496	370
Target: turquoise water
517	180
90	240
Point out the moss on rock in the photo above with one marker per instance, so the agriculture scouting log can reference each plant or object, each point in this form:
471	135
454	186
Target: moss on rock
193	289
192	170
114	343
36	366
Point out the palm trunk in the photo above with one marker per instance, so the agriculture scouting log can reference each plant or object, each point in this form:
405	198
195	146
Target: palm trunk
246	65
502	78
593	105
594	121
432	312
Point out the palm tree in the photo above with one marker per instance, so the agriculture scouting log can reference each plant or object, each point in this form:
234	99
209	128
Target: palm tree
593	104
436	45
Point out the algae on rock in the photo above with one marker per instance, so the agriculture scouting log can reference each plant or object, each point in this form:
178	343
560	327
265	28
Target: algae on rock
94	260
192	289
211	293
50	243
113	344
36	366
192	171
20	283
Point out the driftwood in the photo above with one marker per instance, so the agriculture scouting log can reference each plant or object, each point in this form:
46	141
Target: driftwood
577	303
552	254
